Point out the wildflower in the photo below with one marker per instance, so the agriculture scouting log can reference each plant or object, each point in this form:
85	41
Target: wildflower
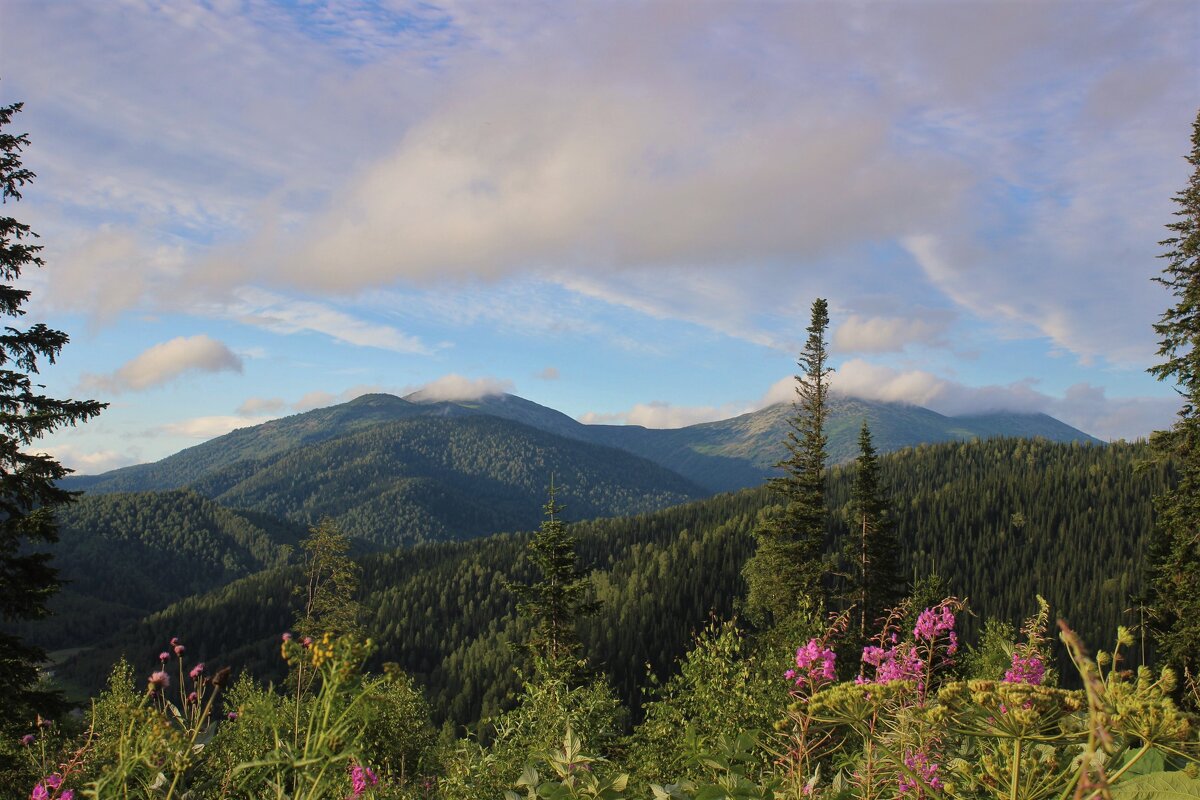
40	792
28	739
1027	667
54	781
192	698
902	663
934	622
814	663
164	655
360	778
179	649
159	680
69	794
197	671
919	766
232	715
287	637
174	641
306	641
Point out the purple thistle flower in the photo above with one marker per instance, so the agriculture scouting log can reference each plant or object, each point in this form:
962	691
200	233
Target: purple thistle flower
164	655
197	671
28	739
232	715
160	680
287	637
179	649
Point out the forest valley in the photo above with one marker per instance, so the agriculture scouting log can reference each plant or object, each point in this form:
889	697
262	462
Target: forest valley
1001	618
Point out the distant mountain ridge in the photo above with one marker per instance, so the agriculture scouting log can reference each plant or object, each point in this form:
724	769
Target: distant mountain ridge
725	455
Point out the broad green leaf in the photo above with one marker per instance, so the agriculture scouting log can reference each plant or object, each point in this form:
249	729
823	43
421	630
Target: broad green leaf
1158	786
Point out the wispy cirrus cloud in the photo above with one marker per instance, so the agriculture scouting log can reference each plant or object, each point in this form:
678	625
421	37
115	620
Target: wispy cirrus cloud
287	315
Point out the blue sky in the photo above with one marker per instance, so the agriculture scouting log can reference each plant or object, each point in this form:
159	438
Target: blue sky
620	210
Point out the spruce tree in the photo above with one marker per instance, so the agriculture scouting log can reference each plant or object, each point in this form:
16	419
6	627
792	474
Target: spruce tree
873	549
1174	579
556	599
29	490
785	574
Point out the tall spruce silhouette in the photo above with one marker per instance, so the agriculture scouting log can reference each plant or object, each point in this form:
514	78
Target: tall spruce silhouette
29	490
787	567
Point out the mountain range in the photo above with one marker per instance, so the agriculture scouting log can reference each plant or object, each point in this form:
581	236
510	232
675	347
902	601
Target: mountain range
720	456
396	472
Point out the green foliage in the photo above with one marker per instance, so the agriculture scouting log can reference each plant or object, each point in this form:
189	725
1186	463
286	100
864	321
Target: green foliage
1175	569
871	554
787	564
721	686
556	599
991	657
575	776
544	709
330	584
29	490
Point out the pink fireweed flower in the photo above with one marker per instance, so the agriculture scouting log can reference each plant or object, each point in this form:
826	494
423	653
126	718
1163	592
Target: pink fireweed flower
40	792
919	765
935	622
901	663
197	671
1027	667
814	665
69	794
54	781
159	680
360	778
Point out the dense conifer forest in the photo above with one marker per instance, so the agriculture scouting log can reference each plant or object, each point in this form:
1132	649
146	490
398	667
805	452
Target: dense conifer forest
999	521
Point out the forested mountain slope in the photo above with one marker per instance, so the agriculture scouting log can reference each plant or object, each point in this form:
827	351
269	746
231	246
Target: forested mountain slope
126	555
999	520
719	456
433	477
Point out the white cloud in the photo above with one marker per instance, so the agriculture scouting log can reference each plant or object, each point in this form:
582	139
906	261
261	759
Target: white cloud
287	315
252	406
457	388
858	334
659	414
1082	405
90	462
165	362
211	427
